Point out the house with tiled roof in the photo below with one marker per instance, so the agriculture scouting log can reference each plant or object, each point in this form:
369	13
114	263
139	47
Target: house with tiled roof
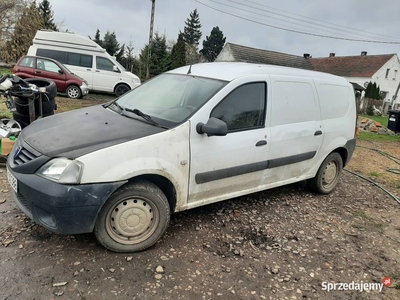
383	69
233	52
359	69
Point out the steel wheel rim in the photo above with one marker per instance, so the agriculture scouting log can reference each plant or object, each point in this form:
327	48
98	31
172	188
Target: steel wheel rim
132	220
330	174
73	93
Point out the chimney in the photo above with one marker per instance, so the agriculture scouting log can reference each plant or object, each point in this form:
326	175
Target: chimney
332	54
306	55
363	53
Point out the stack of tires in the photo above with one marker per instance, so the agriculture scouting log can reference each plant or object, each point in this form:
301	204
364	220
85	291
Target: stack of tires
21	115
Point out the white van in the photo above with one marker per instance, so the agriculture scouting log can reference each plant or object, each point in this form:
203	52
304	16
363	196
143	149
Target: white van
189	137
86	59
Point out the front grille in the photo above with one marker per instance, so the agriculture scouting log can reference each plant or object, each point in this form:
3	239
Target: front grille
23	156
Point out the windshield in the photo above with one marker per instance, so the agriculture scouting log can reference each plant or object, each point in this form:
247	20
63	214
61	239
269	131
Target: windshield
170	98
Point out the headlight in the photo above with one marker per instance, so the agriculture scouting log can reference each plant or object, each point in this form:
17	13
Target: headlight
62	170
136	80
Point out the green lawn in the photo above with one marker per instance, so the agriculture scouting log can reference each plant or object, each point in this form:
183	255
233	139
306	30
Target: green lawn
382	120
378	137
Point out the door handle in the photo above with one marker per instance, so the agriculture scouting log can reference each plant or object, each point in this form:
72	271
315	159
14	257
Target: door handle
261	143
38	72
18	70
88	69
319	132
98	71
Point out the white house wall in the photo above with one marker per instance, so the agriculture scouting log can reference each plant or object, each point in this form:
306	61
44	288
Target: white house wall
385	84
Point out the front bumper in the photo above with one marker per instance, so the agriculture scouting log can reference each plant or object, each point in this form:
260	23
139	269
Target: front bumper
65	209
84	89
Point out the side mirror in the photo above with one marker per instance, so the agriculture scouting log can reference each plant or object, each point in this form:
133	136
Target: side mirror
115	69
214	126
60	71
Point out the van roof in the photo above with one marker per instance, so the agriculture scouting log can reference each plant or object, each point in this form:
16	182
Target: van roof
66	40
229	71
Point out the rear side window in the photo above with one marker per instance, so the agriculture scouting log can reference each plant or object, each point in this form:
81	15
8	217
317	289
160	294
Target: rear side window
244	108
335	100
80	60
61	56
27	62
69	58
293	102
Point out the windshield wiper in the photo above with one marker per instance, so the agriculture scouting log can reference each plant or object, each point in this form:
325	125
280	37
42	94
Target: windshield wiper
114	102
144	116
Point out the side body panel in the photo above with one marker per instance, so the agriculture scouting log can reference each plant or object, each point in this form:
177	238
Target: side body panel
165	154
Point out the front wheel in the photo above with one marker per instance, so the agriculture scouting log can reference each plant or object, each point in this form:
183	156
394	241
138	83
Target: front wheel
328	174
134	218
121	89
74	92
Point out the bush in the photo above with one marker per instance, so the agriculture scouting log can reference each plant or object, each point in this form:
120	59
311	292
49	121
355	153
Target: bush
370	111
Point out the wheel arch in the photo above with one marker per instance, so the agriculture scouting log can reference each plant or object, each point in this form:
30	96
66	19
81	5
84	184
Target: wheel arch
165	185
123	83
343	153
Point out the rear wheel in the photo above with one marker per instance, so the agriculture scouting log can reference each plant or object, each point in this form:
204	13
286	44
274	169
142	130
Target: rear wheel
134	218
121	89
328	174
74	92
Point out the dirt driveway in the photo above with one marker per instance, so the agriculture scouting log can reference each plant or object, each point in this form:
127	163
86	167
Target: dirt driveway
279	244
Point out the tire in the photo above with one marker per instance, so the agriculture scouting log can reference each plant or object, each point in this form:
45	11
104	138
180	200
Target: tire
22	105
74	92
142	204
328	174
51	88
121	89
23	120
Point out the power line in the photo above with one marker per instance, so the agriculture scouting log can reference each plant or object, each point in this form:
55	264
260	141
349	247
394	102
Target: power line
358	30
297	31
357	33
264	15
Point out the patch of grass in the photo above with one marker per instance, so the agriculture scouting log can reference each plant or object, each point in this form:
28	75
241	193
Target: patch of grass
375	174
5	71
394	276
397	286
4	112
378	137
361	214
380	119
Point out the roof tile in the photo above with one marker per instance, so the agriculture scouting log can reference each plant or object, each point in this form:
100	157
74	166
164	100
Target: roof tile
351	66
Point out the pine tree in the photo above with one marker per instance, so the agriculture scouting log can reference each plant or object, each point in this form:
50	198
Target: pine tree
160	59
110	43
178	54
213	44
97	38
191	32
47	15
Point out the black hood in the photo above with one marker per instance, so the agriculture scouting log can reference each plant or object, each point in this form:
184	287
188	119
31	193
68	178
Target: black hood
76	133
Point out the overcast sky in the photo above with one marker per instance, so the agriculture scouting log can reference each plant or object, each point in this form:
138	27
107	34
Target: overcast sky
130	20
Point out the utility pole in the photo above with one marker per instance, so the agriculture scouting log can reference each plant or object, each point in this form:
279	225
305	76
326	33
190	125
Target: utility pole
153	7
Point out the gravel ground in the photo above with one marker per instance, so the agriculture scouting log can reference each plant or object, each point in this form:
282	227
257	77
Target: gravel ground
278	244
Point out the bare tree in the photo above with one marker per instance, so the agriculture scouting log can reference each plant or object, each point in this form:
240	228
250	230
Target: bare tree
10	12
